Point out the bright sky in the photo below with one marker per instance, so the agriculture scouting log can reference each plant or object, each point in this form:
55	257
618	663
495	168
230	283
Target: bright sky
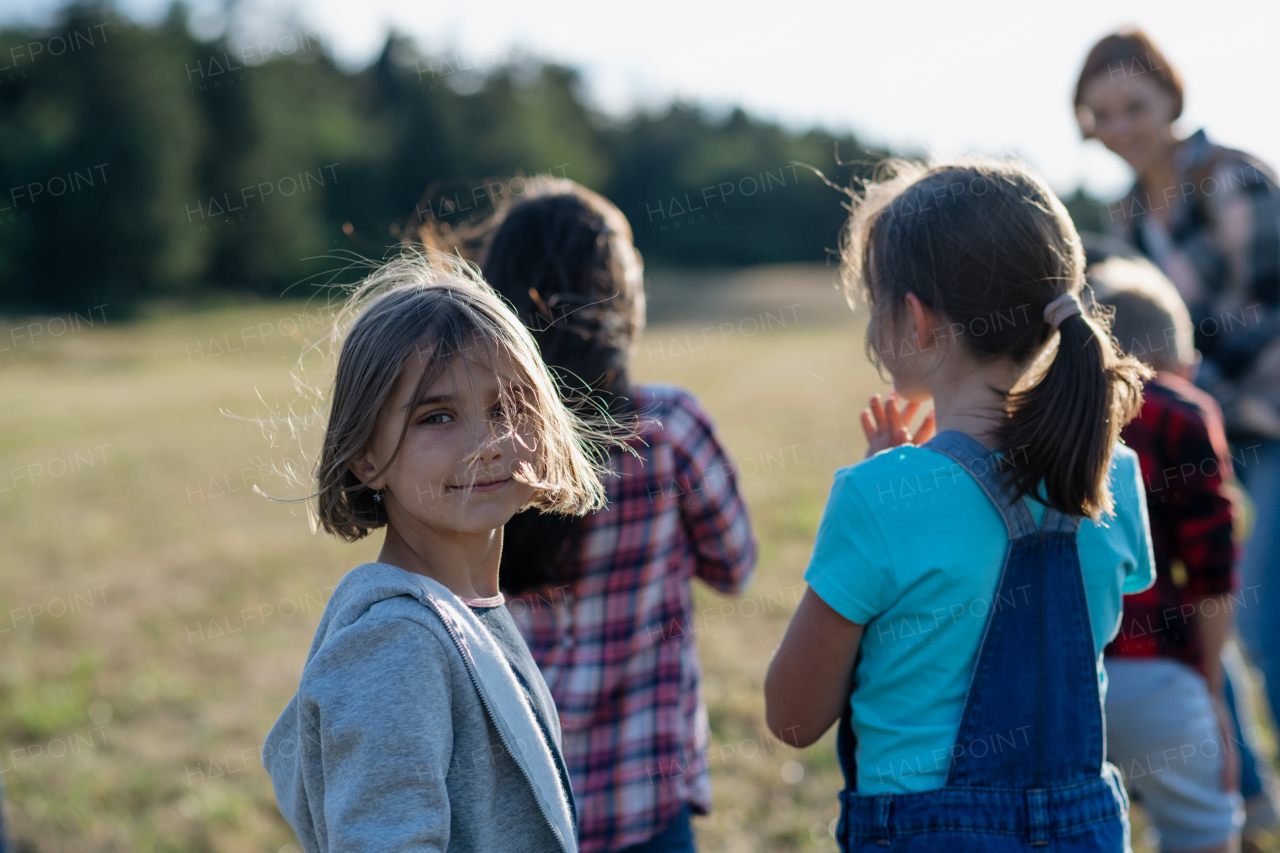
942	77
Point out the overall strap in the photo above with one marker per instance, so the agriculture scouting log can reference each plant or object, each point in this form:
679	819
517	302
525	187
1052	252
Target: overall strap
1033	715
986	468
1056	522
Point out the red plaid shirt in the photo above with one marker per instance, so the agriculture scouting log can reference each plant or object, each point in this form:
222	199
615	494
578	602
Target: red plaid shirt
623	671
1179	440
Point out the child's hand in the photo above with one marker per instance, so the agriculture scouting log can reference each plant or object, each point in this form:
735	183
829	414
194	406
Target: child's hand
886	426
1231	758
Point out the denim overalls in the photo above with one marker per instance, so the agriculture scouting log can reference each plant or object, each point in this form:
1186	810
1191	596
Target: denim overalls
1028	768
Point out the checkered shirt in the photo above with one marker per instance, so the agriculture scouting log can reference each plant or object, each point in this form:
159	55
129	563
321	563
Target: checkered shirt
616	646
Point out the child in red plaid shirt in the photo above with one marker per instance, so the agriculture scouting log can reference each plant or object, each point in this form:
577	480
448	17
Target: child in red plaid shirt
605	602
1168	727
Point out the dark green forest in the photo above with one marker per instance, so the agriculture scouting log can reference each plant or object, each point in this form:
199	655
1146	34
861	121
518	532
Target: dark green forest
141	163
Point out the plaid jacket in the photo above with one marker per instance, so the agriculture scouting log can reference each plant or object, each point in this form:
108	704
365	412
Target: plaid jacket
614	646
1217	235
1185	466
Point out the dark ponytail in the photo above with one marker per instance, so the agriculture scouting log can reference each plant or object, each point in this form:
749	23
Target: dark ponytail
1061	428
986	245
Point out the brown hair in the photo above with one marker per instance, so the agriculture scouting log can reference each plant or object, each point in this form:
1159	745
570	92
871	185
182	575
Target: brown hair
1150	321
563	257
986	245
428	309
1129	52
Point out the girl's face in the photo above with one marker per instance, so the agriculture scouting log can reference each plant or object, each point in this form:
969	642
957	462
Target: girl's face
454	470
1131	116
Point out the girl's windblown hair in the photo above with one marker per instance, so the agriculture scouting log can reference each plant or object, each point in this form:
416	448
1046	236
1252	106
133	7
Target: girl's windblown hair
987	245
421	312
562	257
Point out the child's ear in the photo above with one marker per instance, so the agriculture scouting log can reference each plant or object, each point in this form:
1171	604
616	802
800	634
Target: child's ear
923	321
363	465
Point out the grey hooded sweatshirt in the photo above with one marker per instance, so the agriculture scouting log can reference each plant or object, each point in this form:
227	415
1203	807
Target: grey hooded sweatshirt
410	731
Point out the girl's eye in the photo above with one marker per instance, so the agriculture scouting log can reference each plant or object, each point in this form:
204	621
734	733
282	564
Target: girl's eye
436	418
499	413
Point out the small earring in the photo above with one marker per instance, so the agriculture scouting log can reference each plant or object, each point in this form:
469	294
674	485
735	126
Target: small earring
377	497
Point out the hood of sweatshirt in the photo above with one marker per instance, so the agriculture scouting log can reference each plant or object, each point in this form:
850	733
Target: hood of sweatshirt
361	589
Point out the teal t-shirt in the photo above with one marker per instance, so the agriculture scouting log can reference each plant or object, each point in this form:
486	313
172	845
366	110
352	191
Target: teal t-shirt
911	547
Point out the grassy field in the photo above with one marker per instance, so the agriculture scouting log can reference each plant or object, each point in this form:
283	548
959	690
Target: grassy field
155	612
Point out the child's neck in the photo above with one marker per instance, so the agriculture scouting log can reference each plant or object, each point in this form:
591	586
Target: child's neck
966	396
465	563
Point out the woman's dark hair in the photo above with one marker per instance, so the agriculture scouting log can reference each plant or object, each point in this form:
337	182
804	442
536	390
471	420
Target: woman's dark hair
1129	53
563	257
986	245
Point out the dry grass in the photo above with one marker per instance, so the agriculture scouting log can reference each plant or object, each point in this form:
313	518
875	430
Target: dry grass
155	614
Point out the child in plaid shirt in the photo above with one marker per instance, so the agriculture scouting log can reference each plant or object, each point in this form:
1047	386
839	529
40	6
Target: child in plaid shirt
1165	676
604	601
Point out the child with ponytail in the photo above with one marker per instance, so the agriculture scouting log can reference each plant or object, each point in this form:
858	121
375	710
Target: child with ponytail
961	589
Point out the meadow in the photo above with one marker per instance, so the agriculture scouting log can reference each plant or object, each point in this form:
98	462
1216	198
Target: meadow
155	610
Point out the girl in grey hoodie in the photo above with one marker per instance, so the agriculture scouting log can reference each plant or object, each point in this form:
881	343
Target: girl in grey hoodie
421	722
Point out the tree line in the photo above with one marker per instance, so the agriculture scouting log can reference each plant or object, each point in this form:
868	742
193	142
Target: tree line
140	162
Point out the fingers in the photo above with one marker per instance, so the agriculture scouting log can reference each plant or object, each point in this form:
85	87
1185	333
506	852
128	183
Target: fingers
869	428
877	412
900	422
1231	771
1230	755
928	428
887	425
895	417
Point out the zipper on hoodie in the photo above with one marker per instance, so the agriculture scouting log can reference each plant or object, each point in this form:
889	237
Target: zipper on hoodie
494	717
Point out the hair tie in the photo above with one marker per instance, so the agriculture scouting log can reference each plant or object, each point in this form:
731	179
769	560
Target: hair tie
1061	308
